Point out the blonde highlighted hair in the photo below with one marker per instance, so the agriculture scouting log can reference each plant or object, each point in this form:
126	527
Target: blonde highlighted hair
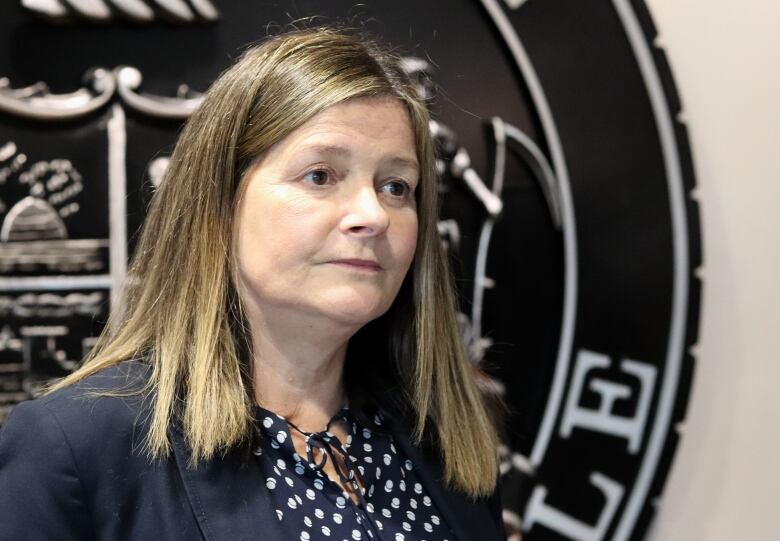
179	309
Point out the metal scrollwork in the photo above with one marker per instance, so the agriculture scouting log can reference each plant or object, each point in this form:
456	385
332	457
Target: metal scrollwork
540	166
36	102
129	80
139	11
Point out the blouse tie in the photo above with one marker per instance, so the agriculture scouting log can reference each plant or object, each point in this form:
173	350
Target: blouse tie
330	446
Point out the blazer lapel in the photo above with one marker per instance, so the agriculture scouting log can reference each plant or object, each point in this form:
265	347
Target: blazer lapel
227	495
469	520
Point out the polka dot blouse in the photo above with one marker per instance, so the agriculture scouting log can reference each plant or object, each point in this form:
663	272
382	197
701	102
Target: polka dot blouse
392	503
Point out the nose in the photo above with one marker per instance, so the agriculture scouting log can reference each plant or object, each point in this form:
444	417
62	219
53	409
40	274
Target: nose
365	215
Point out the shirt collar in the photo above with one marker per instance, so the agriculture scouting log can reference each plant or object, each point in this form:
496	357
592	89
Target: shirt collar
276	430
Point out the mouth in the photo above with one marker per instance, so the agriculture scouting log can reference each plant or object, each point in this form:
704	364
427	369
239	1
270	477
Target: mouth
366	265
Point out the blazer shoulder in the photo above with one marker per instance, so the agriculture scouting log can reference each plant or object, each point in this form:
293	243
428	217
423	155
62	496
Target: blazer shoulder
107	406
128	375
73	465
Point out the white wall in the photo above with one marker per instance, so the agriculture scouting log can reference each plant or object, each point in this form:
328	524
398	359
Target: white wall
725	482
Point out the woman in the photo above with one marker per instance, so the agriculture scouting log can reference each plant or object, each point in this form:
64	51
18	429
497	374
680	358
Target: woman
285	360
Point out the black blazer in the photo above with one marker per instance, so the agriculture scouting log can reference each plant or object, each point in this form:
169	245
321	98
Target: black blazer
72	467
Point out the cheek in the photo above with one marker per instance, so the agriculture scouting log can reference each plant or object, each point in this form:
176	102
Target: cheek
275	225
406	240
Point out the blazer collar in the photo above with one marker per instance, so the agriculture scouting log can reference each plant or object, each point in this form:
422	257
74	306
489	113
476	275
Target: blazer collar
228	494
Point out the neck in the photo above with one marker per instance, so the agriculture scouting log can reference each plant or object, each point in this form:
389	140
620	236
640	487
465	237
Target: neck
298	367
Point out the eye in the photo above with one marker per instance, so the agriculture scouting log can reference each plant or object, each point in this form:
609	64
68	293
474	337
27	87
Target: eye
318	177
397	188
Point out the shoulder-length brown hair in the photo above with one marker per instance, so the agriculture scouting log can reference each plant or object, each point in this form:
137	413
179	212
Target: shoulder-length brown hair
179	308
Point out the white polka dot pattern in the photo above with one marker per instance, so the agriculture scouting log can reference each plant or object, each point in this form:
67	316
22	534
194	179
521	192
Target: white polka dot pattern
392	503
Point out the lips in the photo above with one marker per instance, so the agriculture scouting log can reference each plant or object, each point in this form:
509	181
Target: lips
366	264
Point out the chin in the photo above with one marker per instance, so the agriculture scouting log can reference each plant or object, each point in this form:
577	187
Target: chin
356	311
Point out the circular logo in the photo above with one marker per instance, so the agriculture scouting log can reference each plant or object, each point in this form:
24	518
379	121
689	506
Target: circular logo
566	181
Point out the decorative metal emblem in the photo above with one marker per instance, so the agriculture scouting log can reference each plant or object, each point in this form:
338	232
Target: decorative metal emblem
565	180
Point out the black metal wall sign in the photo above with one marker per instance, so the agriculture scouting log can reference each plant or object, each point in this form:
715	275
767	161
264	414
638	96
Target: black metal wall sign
566	182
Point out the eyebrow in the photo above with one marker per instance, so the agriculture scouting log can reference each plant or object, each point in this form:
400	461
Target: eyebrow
328	149
399	160
345	152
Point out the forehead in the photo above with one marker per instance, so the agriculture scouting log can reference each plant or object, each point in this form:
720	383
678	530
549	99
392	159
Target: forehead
373	129
379	121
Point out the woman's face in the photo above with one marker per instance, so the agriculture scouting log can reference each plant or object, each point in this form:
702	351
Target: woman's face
327	223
